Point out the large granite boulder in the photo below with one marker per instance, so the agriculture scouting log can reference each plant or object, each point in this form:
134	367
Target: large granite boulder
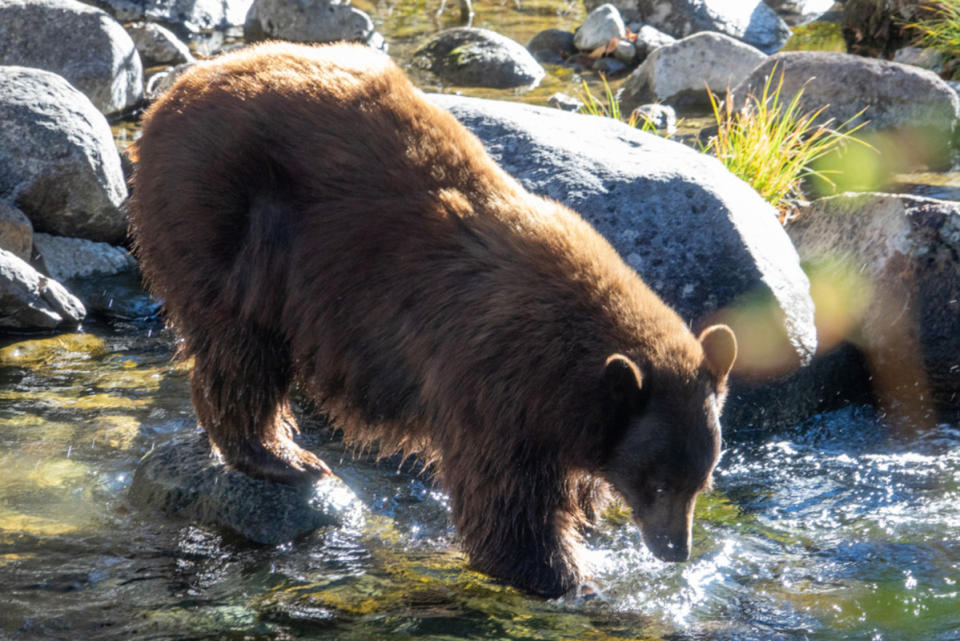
681	72
468	57
58	161
702	238
904	99
158	45
74	40
751	21
30	301
886	277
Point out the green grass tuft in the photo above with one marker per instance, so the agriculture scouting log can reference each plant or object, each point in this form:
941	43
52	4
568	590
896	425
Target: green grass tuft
772	145
941	31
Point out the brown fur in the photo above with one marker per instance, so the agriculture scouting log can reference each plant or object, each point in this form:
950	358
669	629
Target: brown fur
309	216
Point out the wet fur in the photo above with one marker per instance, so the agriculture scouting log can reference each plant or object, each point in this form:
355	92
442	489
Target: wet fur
308	216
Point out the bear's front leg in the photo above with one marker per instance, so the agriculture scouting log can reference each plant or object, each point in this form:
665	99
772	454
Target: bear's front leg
240	383
516	521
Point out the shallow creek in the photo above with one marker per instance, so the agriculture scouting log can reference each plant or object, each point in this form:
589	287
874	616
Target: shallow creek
837	529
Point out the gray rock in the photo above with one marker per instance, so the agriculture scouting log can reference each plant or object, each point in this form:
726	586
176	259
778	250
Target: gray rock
649	39
161	81
470	57
900	97
887	269
307	21
564	102
31	301
552	46
678	73
662	117
66	258
181	478
601	26
700	237
58	161
191	16
919	57
625	52
16	232
158	45
83	44
751	21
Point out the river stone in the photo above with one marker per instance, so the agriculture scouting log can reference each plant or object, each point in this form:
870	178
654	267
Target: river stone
751	21
66	258
307	21
602	25
900	97
16	232
83	44
31	301
552	46
662	117
182	478
895	263
678	73
158	45
649	39
469	57
699	236
58	161
183	16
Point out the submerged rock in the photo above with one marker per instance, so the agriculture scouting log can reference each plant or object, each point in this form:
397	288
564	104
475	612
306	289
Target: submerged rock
83	44
182	478
699	236
679	73
469	57
60	164
888	280
899	97
307	21
751	21
31	301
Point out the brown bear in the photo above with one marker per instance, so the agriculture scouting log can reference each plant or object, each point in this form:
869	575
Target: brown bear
309	216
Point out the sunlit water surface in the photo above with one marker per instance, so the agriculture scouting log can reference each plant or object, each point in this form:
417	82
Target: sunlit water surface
836	529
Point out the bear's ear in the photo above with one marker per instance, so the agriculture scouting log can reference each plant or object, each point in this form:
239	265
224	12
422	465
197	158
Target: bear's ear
719	350
622	376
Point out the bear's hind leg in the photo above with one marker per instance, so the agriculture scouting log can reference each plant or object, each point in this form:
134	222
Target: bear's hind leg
240	387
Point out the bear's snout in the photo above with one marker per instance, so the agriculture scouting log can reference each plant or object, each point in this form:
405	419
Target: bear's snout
666	547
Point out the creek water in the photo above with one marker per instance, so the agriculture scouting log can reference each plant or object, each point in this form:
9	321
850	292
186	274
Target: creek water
839	528
836	529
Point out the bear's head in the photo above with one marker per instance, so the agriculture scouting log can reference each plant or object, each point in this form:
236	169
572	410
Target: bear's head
664	438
